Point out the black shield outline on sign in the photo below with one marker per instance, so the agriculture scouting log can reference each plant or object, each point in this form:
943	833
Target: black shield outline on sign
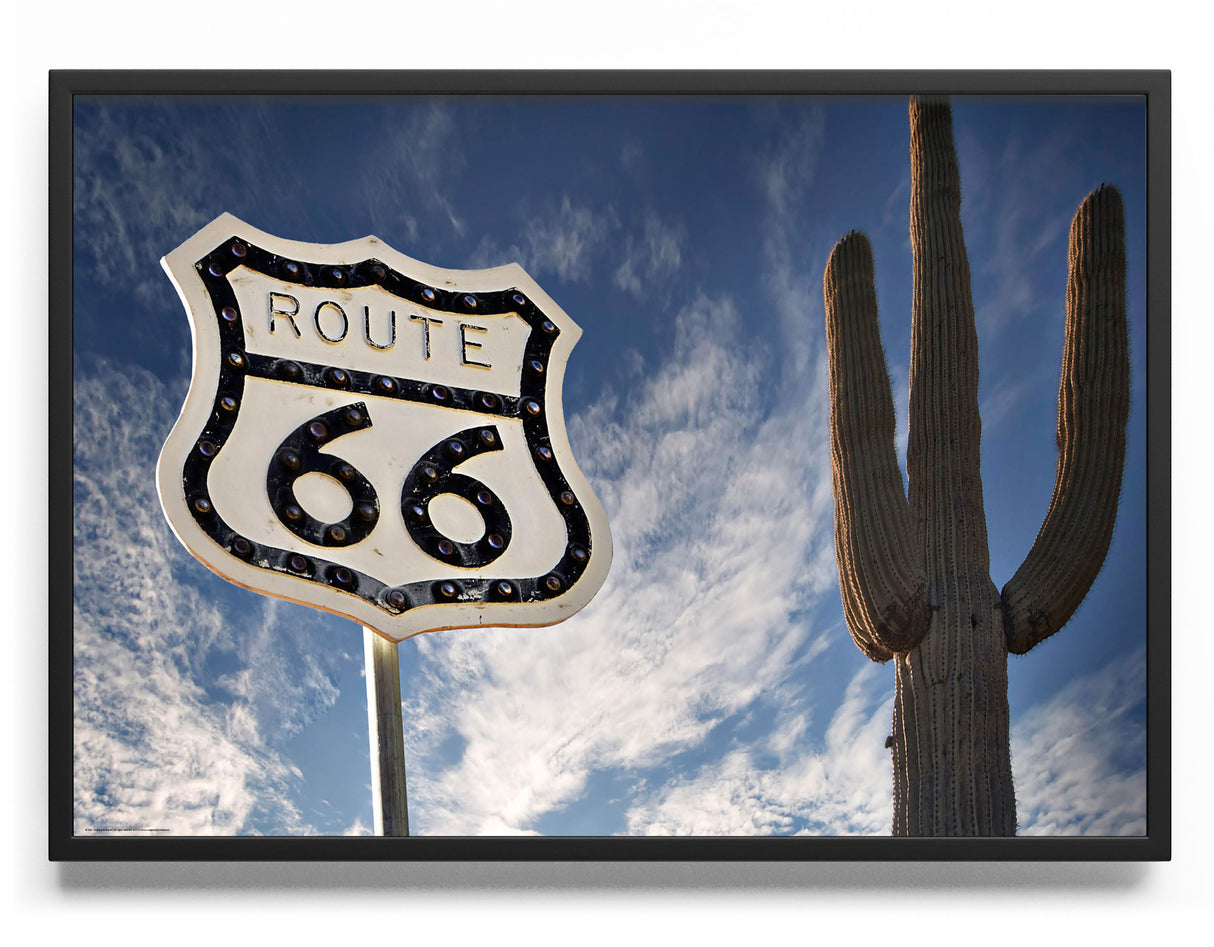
211	302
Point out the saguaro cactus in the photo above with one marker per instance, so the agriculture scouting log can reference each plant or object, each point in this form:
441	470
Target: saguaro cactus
914	571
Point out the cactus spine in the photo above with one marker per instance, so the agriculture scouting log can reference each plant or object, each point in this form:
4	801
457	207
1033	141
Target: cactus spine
914	570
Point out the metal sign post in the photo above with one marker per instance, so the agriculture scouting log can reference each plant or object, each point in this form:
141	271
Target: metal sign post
379	438
386	727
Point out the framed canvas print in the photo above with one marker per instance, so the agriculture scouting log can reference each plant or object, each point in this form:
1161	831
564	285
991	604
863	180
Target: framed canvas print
609	466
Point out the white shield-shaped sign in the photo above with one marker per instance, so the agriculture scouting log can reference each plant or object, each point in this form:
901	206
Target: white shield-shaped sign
377	437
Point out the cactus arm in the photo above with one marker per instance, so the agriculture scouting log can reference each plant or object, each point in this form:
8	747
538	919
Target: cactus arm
1093	404
882	583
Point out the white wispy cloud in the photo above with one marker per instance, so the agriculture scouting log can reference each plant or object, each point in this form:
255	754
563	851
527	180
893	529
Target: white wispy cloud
721	531
784	171
565	242
899	382
1079	759
145	178
118	178
996	406
786	165
840	786
410	177
1001	210
180	704
650	256
1078	763
566	239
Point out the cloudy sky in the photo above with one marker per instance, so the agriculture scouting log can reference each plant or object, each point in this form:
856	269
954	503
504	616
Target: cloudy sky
711	687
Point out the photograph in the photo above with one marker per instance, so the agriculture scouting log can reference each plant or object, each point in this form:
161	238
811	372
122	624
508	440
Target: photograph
591	466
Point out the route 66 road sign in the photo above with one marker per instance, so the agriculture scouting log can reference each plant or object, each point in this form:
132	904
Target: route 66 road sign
377	437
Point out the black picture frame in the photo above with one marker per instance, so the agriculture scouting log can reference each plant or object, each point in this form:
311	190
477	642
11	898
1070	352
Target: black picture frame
1154	86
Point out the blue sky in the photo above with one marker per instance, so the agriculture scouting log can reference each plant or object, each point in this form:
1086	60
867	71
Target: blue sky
711	687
